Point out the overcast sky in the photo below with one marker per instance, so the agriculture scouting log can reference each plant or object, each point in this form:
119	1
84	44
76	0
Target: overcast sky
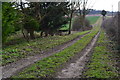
105	4
97	4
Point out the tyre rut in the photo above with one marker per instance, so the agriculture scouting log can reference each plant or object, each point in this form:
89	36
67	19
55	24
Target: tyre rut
75	67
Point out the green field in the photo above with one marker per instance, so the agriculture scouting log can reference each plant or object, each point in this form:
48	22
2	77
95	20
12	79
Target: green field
92	19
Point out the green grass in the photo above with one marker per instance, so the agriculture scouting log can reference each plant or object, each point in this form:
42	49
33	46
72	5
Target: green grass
66	27
102	62
92	19
16	52
47	67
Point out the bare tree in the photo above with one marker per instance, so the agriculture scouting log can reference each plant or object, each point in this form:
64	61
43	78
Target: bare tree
71	15
78	5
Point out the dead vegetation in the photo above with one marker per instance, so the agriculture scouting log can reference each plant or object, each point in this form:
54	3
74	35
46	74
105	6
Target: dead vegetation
112	27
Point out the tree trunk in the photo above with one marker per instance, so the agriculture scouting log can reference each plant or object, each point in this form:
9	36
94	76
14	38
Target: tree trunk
24	35
51	33
84	14
46	33
80	11
32	34
70	24
118	34
41	34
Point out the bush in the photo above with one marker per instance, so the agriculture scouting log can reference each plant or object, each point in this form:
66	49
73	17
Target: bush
31	23
9	17
78	24
112	27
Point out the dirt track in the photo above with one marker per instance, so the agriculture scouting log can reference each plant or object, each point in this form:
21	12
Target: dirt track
15	67
75	67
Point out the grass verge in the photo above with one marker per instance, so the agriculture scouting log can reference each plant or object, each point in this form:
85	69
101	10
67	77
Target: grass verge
47	67
102	64
16	52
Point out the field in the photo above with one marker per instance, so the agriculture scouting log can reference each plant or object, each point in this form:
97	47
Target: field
92	19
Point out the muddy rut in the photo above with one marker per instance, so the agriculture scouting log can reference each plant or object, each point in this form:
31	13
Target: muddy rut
74	69
13	68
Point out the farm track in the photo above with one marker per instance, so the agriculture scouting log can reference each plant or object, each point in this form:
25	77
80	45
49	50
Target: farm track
75	67
15	67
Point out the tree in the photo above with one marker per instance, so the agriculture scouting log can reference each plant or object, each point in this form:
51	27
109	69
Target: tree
31	25
9	17
103	13
71	15
52	22
50	15
78	5
29	20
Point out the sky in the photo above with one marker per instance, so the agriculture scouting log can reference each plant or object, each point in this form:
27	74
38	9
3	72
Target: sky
105	4
97	4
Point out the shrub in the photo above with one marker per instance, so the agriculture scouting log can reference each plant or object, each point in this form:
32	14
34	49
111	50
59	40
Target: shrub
112	27
30	24
78	24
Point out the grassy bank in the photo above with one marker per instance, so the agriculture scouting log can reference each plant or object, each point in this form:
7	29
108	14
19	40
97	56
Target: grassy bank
102	64
16	52
47	67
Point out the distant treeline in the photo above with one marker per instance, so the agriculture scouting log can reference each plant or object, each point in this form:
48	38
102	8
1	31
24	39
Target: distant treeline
99	12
